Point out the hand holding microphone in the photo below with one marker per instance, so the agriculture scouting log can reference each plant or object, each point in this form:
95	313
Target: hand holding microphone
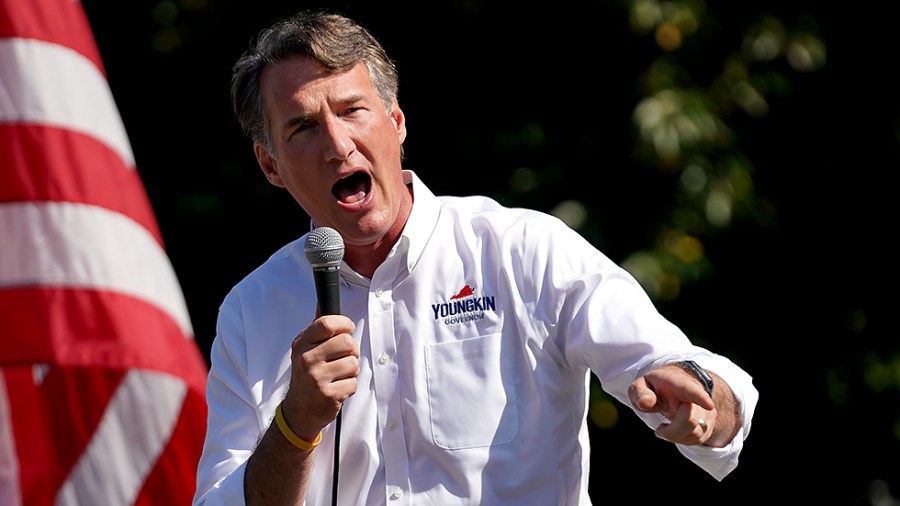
324	355
324	249
326	349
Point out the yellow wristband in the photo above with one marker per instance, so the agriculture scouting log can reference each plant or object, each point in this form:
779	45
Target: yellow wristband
290	436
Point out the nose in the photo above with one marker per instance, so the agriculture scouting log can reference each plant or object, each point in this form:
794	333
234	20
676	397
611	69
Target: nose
338	140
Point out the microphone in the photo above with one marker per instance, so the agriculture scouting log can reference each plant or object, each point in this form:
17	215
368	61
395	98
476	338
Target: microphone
324	249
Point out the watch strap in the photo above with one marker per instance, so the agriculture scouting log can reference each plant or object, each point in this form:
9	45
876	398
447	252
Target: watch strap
696	371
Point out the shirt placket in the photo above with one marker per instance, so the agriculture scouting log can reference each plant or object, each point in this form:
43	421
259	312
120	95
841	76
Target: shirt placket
385	371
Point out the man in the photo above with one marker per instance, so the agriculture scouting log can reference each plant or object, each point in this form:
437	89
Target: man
461	362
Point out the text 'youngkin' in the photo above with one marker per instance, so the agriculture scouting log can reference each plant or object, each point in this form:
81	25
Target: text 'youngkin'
458	307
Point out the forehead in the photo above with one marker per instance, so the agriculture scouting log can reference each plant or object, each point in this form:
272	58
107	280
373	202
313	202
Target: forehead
303	82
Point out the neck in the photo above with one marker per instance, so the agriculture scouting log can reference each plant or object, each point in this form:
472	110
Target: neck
365	259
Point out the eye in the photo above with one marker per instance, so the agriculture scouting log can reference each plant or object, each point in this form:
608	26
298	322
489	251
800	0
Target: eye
299	128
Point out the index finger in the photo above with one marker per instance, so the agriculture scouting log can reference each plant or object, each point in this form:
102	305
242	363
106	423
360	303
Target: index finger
690	390
325	327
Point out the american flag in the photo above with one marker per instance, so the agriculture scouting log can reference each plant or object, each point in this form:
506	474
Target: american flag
101	380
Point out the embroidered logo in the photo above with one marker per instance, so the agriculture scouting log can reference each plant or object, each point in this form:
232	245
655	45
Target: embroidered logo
465	306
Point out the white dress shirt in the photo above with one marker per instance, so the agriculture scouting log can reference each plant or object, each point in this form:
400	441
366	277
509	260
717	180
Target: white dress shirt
477	339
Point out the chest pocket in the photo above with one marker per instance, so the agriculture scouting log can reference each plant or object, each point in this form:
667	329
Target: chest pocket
471	394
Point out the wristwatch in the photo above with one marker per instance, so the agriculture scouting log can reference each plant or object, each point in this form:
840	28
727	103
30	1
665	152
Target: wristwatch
696	371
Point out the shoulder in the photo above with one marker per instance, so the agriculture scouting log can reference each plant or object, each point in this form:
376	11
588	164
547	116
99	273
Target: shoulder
513	227
286	266
487	212
270	302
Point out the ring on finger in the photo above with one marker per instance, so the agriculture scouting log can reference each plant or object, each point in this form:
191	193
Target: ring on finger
702	423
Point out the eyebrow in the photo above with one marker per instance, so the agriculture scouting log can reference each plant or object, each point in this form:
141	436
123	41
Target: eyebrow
296	120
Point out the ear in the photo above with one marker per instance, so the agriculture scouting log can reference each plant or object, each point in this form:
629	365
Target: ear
399	120
268	164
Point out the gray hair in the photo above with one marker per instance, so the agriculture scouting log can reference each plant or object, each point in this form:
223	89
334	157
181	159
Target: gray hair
335	42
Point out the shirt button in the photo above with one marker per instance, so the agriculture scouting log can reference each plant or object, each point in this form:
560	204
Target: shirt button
383	359
378	292
391	426
396	494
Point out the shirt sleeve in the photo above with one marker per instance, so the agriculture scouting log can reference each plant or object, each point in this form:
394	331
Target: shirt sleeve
606	322
231	429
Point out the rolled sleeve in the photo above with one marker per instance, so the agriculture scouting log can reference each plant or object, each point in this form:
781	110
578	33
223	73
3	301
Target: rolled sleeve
226	492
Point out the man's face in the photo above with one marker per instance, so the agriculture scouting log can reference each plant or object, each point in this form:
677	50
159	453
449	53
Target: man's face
336	148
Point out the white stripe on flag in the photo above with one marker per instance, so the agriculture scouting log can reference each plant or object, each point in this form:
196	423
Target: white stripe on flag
78	245
50	84
10	495
135	428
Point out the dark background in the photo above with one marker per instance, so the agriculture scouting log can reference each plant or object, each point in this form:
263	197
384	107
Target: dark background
805	303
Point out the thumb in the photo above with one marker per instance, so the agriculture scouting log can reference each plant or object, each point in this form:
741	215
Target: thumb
643	397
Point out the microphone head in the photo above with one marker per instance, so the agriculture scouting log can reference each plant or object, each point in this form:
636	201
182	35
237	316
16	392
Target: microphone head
324	247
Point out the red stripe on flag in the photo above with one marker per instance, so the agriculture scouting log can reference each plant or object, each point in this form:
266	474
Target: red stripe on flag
55	413
59	22
78	327
38	164
166	483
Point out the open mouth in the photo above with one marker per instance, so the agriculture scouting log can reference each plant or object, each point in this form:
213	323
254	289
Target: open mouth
353	188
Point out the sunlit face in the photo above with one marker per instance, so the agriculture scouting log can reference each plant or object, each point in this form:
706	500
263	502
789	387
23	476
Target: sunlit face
336	149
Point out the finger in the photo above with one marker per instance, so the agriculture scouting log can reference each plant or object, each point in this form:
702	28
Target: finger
343	389
337	380
686	434
335	348
693	391
335	359
687	389
689	425
323	386
643	397
699	397
323	328
332	325
344	368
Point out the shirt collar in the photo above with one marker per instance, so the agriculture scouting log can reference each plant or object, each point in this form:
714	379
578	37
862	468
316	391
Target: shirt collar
422	220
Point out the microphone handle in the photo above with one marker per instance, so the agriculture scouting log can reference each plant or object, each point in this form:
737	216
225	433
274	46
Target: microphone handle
328	293
328	289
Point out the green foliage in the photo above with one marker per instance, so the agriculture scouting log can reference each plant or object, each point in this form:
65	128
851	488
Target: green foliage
684	127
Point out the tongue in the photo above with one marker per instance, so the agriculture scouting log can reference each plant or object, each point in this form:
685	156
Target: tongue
349	195
351	189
